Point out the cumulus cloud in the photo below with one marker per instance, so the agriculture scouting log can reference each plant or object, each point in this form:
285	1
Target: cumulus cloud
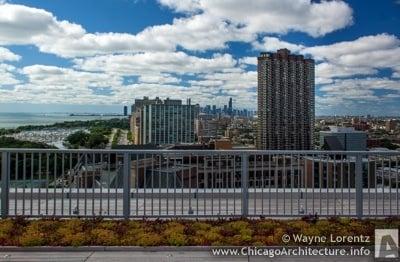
248	60
349	95
158	78
216	24
362	45
7	55
20	24
8	75
52	84
269	16
272	44
160	62
363	56
58	77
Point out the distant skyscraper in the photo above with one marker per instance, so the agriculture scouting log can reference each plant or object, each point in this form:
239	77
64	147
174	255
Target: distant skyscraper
230	109
157	121
125	110
285	101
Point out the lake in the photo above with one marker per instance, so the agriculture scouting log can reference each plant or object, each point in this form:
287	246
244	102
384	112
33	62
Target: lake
12	120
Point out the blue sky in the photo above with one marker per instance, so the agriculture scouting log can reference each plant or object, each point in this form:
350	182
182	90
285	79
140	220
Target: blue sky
100	55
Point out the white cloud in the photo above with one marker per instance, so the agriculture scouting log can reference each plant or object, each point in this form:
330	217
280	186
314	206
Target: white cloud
7	55
272	44
362	45
8	75
396	73
158	79
216	24
199	32
160	62
363	56
26	25
182	5
358	90
271	16
325	71
64	78
51	84
248	60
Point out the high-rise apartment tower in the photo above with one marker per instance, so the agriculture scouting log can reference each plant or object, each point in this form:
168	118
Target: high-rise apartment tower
156	121
285	101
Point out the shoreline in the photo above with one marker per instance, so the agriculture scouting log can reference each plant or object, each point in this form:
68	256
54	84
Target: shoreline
54	134
10	121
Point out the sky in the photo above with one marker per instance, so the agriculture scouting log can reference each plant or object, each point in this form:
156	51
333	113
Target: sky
98	55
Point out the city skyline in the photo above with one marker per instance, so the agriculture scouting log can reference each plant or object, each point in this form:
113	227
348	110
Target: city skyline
80	57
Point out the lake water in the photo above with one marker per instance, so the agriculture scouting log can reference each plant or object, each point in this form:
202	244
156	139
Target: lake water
12	120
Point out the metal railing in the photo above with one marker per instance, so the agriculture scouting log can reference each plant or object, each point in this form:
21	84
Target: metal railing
196	184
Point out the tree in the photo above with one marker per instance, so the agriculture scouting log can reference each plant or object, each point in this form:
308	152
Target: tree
96	140
77	139
9	142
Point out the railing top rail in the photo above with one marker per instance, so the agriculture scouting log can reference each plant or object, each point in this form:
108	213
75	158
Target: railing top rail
157	151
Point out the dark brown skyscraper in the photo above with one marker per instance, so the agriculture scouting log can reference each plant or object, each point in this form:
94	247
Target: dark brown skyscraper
285	101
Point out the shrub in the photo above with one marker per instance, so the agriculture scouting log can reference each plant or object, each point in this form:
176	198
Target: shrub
201	226
73	233
6	230
76	232
174	234
75	240
40	232
109	224
277	237
134	230
35	233
266	226
32	238
311	231
297	225
104	237
238	226
213	235
209	236
238	232
149	239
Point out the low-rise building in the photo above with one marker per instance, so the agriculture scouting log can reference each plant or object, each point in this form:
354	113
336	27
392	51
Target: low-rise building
343	139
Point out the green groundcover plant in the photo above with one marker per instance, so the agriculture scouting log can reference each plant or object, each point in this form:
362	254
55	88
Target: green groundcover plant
238	232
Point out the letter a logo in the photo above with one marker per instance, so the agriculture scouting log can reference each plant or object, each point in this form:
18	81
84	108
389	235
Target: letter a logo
386	243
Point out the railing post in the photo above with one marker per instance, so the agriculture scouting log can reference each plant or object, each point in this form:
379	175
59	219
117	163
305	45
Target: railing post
5	176
359	186
126	186
245	185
